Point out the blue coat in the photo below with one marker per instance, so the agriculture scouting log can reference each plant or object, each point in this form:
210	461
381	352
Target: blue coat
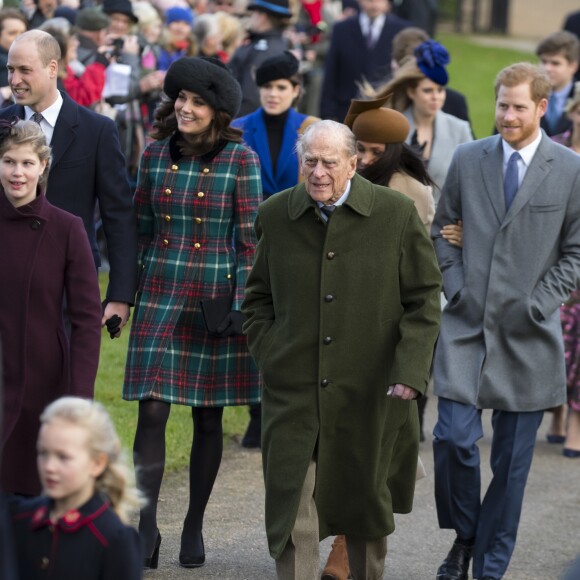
256	137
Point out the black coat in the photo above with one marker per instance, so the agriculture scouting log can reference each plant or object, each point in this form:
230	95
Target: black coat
349	60
89	543
88	167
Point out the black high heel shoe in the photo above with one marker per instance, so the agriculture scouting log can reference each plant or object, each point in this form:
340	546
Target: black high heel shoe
190	560
153	561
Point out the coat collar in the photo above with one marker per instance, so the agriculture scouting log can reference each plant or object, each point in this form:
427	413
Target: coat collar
175	151
35	209
361	199
72	520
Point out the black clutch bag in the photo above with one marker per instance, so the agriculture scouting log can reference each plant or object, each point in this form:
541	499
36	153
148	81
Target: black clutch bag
214	310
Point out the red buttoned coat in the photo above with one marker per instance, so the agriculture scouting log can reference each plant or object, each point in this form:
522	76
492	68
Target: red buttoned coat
45	253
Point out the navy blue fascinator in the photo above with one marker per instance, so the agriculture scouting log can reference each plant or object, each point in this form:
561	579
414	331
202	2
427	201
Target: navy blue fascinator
431	60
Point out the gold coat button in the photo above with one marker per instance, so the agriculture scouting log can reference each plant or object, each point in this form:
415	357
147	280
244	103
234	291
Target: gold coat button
167	218
205	170
200	194
197	246
229	276
174	168
197	220
167	191
165	242
44	562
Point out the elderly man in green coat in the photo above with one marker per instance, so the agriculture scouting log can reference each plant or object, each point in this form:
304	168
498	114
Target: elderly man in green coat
343	314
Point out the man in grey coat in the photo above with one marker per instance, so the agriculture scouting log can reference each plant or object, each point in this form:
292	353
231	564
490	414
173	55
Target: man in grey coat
501	347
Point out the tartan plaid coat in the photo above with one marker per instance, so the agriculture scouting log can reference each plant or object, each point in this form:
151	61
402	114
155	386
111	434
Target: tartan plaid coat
195	222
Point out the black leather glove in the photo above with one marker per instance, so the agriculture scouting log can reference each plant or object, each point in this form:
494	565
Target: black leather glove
113	325
232	324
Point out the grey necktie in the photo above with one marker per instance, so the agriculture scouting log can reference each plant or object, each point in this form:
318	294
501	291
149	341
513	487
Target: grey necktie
511	180
327	211
37	117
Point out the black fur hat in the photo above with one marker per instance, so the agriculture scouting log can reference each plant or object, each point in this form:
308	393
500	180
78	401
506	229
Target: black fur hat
280	66
209	78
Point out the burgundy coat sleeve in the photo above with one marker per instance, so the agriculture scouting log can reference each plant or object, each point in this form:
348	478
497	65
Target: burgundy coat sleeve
84	311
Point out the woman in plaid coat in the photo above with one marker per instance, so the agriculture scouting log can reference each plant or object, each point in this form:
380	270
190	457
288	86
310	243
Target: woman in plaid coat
197	196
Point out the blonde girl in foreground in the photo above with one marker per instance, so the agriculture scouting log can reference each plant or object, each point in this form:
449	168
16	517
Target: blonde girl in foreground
78	528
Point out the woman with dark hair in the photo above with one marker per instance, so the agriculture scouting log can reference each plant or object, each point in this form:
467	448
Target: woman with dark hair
384	158
196	200
272	130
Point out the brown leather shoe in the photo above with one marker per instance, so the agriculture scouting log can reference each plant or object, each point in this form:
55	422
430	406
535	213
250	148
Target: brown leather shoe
337	565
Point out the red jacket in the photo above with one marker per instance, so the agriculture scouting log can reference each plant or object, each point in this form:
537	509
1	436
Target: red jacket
87	89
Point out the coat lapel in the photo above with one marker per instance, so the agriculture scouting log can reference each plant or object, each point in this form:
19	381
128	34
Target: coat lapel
259	140
492	172
286	156
65	130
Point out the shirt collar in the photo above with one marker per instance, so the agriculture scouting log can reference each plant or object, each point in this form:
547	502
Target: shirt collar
527	153
50	114
341	199
366	24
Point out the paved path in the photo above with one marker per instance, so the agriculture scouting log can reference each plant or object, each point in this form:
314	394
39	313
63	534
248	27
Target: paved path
236	543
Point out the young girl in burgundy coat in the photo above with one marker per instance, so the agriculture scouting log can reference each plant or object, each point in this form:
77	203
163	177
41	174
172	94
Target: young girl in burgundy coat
45	255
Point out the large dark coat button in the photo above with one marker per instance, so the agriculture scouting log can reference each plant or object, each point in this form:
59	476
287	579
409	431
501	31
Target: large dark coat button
324	383
327	340
329	298
35	224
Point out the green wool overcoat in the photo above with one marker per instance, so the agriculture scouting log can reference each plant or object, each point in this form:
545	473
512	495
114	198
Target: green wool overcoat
336	313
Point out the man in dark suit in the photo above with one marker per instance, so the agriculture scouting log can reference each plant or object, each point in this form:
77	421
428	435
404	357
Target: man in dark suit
559	54
500	345
360	49
87	163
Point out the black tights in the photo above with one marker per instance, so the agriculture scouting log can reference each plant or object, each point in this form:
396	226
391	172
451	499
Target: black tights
149	459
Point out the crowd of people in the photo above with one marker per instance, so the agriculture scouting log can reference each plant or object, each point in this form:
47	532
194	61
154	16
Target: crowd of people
284	198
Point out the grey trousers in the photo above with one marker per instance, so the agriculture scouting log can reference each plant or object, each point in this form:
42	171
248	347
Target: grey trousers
300	559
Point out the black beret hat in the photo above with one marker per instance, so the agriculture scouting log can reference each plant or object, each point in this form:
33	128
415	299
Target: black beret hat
209	78
120	7
280	66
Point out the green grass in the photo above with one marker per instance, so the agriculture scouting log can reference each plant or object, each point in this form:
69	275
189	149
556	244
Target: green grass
124	413
472	71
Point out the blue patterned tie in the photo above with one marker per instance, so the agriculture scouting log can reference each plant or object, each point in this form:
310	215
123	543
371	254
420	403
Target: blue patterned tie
511	179
552	114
